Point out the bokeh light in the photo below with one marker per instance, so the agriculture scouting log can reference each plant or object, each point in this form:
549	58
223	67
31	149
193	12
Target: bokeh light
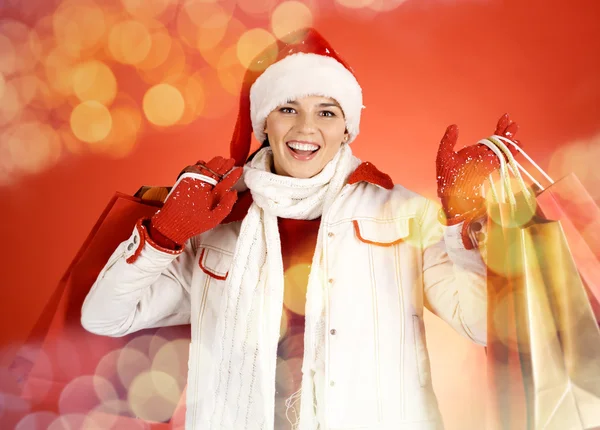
385	5
289	17
211	52
84	393
8	55
146	9
131	363
161	43
36	421
59	67
163	105
256	7
25	43
71	422
294	296
93	80
154	396
11	105
192	90
91	121
231	71
129	42
355	4
79	27
171	69
254	42
172	359
33	146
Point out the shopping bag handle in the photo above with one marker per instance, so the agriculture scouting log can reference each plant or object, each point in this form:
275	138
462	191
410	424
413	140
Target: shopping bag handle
528	158
501	150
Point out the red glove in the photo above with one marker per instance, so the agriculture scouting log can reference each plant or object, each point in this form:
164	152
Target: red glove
461	174
195	206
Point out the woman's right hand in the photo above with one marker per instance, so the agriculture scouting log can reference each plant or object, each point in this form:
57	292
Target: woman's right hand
194	206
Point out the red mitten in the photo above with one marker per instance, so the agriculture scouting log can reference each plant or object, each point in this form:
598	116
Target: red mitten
461	174
194	206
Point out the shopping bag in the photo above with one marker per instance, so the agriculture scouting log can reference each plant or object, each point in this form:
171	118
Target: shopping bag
566	200
65	369
543	339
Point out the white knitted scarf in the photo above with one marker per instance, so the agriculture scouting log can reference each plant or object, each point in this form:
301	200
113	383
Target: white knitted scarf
242	393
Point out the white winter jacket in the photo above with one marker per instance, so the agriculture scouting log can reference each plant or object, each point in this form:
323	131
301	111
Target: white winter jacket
386	257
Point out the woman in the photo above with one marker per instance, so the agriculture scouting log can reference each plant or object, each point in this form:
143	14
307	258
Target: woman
304	274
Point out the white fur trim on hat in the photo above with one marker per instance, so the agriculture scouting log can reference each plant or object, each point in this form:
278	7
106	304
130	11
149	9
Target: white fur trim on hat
300	75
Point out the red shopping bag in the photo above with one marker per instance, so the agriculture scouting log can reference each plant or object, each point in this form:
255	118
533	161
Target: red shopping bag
568	201
66	370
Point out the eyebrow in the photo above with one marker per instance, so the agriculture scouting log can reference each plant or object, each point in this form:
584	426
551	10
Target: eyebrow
293	102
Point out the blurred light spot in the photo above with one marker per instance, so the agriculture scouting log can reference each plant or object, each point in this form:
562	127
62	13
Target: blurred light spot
33	146
27	87
36	421
129	42
161	46
84	393
283	327
94	80
385	5
68	422
120	142
146	9
154	395
211	50
172	359
163	105
91	121
69	141
295	280
256	7
355	4
290	16
8	55
26	44
230	70
79	27
130	364
207	13
11	105
108	414
59	69
254	42
192	90
169	70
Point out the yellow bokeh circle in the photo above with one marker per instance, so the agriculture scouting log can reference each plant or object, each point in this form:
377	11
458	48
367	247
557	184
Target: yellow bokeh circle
94	80
154	395
129	42
290	16
91	121
252	43
163	105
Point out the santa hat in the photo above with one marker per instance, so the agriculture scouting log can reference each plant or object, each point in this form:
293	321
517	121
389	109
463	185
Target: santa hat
305	65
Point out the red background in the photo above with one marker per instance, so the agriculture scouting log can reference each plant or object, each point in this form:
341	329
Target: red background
422	66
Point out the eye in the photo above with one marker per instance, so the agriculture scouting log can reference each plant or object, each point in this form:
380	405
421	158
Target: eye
327	113
287	110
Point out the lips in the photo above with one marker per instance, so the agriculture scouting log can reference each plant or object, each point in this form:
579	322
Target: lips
303	150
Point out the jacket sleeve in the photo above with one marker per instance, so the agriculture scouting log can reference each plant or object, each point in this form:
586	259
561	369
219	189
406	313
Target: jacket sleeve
454	278
141	286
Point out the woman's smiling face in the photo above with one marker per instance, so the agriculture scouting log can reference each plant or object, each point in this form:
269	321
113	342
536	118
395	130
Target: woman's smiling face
305	135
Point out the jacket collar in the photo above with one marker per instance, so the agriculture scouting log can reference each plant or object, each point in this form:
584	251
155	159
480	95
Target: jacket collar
365	172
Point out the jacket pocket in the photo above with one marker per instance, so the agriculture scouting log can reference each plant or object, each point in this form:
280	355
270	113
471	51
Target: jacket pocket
421	355
382	232
214	263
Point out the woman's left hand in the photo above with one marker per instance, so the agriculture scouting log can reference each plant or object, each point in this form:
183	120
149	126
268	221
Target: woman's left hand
461	174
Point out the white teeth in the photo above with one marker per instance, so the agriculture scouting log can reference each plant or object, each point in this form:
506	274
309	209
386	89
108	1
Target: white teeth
303	146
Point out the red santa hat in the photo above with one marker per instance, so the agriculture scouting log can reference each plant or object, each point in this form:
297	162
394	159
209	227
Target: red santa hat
305	65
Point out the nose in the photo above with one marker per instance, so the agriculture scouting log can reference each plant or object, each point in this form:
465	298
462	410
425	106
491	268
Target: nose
305	123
